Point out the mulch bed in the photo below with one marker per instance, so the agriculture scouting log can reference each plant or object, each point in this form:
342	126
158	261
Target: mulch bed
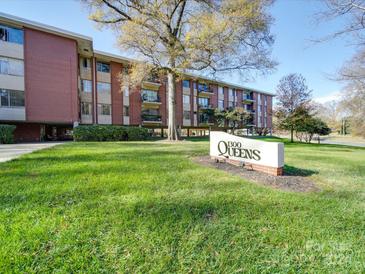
288	182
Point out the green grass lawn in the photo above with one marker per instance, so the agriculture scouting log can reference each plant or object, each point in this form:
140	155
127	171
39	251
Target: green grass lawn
145	207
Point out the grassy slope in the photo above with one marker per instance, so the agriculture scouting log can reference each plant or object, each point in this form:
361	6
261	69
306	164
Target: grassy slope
144	207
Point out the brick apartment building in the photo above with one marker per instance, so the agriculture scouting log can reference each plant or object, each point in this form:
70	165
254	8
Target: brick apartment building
52	80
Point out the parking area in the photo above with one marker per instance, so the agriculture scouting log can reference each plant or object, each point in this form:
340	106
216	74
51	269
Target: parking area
12	151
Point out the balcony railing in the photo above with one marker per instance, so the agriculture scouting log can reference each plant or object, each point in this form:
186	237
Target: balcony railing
247	99
150	99
206	106
205	90
151	118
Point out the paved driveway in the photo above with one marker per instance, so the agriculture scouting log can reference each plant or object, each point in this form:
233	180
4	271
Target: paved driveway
8	152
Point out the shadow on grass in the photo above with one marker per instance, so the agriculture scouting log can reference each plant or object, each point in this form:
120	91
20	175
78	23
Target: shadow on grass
197	139
295	171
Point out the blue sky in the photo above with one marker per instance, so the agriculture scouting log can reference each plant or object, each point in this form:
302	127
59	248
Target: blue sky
294	28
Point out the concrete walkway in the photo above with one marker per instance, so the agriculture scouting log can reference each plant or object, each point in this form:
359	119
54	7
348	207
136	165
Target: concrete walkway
344	143
12	151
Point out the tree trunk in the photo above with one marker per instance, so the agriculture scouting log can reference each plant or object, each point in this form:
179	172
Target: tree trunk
291	135
172	133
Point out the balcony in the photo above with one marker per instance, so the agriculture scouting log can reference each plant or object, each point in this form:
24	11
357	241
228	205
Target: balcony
204	90
151	118
206	107
247	99
206	121
150	100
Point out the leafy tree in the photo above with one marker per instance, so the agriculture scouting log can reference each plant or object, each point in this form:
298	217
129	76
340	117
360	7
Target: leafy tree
176	36
293	97
235	117
309	127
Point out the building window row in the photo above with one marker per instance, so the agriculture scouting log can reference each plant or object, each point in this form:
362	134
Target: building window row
12	35
85	108
11	66
104	109
86	63
103	67
186	115
203	102
11	98
86	85
186	99
125	110
103	87
186	84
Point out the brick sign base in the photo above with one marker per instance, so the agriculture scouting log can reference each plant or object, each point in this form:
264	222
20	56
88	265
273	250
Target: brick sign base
274	171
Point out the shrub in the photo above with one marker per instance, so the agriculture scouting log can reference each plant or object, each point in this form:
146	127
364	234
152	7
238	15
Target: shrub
137	133
7	134
109	133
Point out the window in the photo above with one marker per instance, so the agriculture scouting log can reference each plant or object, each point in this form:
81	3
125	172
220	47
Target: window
86	85
186	115
221	104
265	101
203	88
86	63
150	95
125	110
11	98
126	91
230	92
85	108
102	67
230	104
194	85
220	91
186	99
104	109
186	84
11	35
11	66
103	87
203	102
150	111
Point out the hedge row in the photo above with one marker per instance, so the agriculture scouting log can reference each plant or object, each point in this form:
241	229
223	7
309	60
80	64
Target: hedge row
7	134
109	133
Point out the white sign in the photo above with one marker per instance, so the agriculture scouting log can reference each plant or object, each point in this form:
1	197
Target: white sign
224	145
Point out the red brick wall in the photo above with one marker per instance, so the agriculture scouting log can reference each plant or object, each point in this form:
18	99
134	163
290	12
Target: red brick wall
214	96
50	78
135	106
179	103
116	94
239	97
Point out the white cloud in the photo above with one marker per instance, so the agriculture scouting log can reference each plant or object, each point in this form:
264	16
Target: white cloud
333	96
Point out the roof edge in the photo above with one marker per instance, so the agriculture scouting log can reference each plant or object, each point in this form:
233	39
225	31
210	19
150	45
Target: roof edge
44	27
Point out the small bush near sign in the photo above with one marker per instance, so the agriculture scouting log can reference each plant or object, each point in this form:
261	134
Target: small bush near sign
109	133
7	134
